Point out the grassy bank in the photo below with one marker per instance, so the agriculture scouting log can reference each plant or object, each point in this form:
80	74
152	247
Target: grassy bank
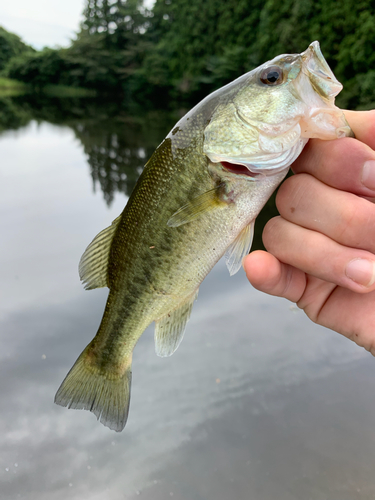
9	87
66	91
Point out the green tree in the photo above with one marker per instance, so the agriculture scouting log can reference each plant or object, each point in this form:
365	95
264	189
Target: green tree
38	68
180	50
11	45
111	44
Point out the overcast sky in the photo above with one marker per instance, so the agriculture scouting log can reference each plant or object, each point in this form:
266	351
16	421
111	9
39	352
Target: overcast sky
42	22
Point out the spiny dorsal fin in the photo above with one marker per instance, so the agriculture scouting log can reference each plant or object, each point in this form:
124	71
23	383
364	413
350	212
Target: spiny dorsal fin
169	330
239	249
198	206
93	265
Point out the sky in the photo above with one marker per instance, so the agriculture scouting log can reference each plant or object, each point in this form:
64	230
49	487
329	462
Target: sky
42	23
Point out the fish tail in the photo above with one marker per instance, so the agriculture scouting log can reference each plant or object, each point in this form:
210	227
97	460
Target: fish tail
103	392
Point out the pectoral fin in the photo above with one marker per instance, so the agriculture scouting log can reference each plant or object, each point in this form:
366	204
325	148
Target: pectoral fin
239	249
169	330
202	204
93	266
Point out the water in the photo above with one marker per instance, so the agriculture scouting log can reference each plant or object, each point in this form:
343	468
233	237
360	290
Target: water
257	403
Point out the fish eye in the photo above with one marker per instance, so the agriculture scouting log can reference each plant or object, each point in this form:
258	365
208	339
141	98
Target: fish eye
272	76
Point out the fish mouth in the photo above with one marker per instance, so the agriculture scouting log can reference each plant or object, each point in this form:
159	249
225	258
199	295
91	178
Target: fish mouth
261	165
235	168
320	74
325	123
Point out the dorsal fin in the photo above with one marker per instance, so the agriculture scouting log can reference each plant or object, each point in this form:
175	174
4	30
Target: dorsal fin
93	266
169	330
239	249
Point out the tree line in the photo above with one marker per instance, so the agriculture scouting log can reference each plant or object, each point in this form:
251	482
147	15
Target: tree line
180	50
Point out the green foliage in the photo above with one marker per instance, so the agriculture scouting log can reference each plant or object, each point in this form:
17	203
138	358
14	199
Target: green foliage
183	49
39	68
10	87
10	46
205	44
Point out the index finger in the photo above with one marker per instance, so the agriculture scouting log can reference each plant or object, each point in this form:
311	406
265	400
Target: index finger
363	125
346	164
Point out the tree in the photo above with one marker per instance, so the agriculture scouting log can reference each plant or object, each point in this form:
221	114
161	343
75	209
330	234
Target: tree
11	45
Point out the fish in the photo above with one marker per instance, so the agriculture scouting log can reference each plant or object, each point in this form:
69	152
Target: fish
196	200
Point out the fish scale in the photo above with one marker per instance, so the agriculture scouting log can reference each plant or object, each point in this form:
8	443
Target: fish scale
196	200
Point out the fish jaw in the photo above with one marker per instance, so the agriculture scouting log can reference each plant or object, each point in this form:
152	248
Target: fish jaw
320	74
318	87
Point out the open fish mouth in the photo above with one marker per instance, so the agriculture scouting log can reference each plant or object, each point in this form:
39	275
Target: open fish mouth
262	164
237	169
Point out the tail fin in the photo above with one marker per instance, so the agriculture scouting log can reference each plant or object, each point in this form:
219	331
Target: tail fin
104	394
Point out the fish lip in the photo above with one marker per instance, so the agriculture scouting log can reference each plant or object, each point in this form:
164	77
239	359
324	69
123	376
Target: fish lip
240	169
267	164
336	125
320	74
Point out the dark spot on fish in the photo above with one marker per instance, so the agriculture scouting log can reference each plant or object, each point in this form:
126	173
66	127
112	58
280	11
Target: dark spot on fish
292	210
175	130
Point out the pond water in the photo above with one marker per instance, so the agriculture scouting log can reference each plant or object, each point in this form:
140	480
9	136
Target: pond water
257	403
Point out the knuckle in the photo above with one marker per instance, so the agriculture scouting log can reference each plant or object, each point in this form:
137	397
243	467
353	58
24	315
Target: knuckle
271	232
356	226
291	193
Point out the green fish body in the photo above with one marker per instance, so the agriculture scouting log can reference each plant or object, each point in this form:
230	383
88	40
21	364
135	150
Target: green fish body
196	200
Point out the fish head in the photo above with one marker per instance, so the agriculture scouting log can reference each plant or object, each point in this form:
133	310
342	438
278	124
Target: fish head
264	119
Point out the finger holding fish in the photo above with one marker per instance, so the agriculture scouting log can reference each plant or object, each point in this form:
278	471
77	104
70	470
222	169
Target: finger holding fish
339	308
322	251
320	256
348	165
342	216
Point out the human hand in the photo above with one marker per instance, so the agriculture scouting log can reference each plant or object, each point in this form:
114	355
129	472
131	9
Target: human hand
320	250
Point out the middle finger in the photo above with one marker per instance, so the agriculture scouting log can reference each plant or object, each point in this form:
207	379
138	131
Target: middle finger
342	216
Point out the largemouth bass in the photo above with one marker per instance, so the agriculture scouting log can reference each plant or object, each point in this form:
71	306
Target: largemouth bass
196	200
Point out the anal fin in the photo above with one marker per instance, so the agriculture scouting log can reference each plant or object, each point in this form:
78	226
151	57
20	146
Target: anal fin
169	329
239	249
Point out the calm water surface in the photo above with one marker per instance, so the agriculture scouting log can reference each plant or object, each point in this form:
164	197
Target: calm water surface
257	403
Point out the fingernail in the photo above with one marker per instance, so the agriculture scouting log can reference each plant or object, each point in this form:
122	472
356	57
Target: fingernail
368	174
361	271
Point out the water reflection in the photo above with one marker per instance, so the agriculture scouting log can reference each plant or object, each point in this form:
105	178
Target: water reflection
12	116
116	154
257	402
117	144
